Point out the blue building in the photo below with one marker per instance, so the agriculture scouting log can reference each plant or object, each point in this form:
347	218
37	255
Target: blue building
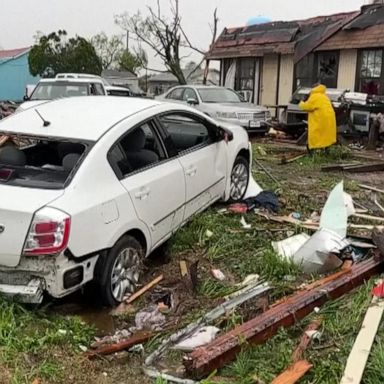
14	74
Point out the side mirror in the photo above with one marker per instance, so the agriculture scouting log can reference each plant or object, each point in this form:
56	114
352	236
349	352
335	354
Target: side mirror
225	134
26	98
192	101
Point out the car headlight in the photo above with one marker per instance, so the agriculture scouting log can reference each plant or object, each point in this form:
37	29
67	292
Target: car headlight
226	115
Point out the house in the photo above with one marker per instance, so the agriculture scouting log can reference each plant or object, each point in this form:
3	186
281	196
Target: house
269	61
14	74
161	82
123	79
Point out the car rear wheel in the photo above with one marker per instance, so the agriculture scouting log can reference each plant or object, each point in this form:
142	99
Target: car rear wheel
119	273
239	179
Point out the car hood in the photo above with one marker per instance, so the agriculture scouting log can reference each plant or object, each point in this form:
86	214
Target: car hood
236	107
30	104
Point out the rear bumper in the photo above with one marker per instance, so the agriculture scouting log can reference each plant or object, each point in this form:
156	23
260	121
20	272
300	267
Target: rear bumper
32	293
51	274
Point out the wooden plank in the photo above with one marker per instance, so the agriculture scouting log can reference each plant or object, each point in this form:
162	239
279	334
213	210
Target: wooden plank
138	338
146	288
293	373
358	357
368	217
305	339
378	167
367	187
183	268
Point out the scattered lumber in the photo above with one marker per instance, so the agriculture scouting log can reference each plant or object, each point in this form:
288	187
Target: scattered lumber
358	357
305	339
355	168
143	290
138	338
225	348
337	167
294	373
285	160
369	217
371	188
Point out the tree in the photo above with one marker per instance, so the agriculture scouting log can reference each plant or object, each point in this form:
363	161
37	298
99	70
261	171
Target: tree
133	62
164	36
54	53
108	49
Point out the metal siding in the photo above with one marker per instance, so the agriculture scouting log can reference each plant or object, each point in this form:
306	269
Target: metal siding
347	69
14	77
286	78
269	80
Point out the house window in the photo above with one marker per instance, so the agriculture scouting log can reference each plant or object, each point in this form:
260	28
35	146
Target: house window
370	73
304	71
245	76
327	68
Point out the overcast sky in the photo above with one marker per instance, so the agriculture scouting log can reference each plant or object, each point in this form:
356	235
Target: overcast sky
20	19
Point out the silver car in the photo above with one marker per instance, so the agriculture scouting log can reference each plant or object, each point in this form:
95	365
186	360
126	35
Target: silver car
221	104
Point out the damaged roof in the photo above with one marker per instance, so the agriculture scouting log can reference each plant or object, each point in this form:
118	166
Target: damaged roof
298	37
7	54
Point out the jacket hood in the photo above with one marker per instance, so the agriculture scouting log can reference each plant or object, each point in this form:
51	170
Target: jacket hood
319	89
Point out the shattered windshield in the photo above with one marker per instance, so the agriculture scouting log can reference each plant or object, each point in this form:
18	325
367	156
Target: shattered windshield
217	95
39	162
57	90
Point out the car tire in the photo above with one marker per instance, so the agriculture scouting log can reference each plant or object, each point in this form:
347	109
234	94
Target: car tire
239	179
118	272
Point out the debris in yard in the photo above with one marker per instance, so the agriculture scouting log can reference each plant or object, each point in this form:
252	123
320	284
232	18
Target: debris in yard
138	338
217	274
123	309
265	199
266	171
284	160
249	280
150	319
254	291
244	224
378	291
359	168
369	217
306	339
238	208
201	337
155	374
183	268
373	189
143	290
225	348
208	233
288	247
253	188
378	204
294	373
190	279
358	357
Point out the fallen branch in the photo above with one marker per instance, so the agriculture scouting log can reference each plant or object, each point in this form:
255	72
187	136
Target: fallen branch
146	288
138	338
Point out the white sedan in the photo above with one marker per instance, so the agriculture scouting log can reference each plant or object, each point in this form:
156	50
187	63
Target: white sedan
105	182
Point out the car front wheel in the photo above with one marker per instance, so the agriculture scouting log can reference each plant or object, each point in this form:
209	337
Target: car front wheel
239	179
118	274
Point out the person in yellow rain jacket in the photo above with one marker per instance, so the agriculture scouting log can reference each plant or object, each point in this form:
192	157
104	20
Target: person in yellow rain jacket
322	130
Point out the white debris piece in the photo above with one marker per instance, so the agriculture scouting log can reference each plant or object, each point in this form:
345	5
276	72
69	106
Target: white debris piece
245	224
202	337
288	247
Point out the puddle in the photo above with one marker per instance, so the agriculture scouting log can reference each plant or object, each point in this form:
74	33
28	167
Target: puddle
78	305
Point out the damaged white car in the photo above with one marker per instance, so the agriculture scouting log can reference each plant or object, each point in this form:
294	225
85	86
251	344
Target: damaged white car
101	184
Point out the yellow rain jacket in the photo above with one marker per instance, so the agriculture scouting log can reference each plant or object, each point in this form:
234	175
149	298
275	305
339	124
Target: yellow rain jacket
321	119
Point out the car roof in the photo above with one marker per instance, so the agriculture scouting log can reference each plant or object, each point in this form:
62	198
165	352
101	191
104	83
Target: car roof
83	80
83	118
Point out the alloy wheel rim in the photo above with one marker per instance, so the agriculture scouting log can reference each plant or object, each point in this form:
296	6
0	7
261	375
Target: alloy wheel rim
239	181
125	273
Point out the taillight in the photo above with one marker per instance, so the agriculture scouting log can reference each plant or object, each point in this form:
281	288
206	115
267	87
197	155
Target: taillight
49	232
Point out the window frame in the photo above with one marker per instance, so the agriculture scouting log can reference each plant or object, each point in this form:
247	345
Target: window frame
170	145
115	167
174	90
336	53
359	78
191	89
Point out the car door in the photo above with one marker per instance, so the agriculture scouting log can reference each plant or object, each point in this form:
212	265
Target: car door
155	183
176	95
203	157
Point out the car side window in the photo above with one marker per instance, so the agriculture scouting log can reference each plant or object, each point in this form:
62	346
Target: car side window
97	89
189	94
185	131
137	150
176	94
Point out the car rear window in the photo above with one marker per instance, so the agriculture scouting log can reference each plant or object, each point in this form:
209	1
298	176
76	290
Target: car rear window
44	163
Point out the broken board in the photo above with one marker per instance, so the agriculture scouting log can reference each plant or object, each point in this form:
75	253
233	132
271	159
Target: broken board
358	357
294	373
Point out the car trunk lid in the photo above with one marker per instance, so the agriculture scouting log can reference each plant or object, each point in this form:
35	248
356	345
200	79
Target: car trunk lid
17	208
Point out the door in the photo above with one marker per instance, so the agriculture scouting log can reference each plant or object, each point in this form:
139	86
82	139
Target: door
202	156
155	183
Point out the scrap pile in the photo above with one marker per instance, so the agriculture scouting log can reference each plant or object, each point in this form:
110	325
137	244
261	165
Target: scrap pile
345	260
7	108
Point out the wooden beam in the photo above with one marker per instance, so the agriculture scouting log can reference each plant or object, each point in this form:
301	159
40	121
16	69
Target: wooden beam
358	357
294	373
367	187
143	290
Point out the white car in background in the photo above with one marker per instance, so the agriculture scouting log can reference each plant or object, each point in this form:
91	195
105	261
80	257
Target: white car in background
222	104
107	181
